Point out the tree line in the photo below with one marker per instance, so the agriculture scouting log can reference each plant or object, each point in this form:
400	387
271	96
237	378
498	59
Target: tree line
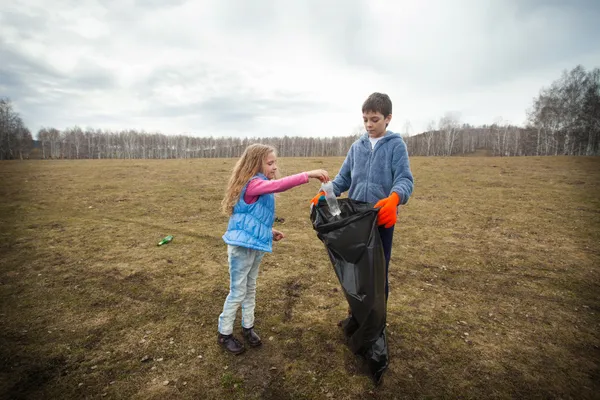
564	119
75	143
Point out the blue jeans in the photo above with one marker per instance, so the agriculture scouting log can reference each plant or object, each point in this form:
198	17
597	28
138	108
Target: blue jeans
243	271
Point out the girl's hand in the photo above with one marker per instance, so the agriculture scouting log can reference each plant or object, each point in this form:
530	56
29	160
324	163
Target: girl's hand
319	174
277	236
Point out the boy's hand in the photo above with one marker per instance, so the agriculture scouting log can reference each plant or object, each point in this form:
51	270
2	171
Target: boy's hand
388	212
319	174
277	236
315	200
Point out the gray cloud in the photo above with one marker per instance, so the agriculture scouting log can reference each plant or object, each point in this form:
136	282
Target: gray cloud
509	39
234	64
145	4
42	93
20	66
224	107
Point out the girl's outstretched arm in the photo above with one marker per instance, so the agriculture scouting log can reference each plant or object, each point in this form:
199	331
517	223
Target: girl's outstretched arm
258	187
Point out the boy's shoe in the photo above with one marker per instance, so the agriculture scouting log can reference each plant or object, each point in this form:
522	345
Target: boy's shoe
230	343
251	337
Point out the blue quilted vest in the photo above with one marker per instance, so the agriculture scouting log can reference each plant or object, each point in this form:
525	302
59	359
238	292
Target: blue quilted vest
251	225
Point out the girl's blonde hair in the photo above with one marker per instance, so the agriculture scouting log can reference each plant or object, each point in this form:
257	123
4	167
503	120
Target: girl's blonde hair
249	164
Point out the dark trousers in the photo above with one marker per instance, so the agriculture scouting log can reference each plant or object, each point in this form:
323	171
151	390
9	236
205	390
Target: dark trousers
386	239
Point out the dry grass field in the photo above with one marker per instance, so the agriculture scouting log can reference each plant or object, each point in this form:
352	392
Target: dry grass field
495	285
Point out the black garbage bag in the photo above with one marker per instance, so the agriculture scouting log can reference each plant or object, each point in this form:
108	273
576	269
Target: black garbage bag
354	246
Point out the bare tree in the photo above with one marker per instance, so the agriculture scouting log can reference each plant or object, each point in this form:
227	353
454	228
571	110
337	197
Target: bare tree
564	115
23	142
407	129
15	138
429	137
448	125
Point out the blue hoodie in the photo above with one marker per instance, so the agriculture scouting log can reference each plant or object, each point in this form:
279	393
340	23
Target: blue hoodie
373	174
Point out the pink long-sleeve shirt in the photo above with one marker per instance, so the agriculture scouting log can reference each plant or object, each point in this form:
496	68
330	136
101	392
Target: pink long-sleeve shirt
257	187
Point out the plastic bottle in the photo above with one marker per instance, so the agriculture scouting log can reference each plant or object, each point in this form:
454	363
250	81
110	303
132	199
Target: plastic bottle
332	202
165	240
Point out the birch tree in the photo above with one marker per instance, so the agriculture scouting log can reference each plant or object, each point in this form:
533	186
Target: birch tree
448	125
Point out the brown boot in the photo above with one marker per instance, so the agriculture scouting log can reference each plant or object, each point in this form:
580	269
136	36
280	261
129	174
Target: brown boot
251	337
230	343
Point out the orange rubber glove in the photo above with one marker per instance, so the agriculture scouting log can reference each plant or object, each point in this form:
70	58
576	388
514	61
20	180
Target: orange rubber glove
315	200
388	212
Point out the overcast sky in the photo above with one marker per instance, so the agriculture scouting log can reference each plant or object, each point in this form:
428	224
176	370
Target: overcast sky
271	68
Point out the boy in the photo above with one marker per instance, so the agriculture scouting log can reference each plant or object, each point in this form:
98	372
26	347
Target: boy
377	170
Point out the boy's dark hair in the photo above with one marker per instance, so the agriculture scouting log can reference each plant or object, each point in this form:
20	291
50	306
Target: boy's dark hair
378	102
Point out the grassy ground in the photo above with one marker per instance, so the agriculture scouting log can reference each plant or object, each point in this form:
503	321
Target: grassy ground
494	285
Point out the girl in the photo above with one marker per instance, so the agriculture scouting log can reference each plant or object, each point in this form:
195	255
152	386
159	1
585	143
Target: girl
250	202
